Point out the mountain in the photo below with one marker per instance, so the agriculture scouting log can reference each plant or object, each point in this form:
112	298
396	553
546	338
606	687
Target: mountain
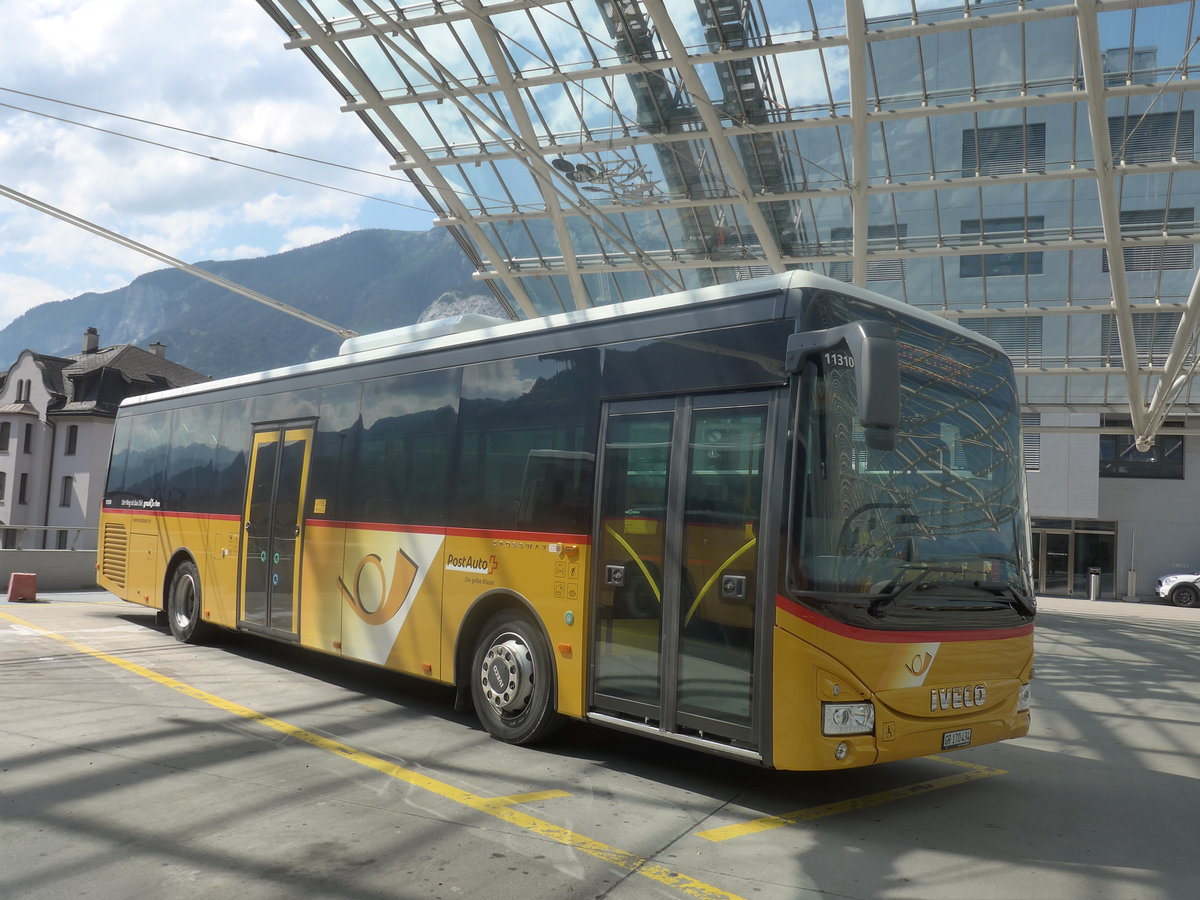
365	281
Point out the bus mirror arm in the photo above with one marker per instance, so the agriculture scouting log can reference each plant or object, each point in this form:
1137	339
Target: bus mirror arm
876	363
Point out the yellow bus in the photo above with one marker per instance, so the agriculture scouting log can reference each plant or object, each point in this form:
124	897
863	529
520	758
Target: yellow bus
781	520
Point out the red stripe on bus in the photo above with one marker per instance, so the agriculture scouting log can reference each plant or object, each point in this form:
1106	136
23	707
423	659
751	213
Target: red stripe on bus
555	537
375	526
812	617
169	514
526	536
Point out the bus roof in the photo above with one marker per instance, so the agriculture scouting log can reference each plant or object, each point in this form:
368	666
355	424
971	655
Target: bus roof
469	329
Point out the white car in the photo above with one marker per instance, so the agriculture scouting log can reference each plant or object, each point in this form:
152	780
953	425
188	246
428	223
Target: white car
1182	590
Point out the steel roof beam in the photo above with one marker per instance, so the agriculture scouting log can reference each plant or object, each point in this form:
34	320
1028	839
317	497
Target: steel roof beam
1110	207
627	139
1100	429
486	32
531	155
1024	312
968	20
732	169
899	187
856	26
685	259
1182	346
445	192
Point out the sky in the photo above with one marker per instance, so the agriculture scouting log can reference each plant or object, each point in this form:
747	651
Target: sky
212	66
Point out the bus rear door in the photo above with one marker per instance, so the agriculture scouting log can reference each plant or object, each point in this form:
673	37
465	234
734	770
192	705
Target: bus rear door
272	528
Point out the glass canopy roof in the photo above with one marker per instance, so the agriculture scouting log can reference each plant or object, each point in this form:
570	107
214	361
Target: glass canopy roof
1026	168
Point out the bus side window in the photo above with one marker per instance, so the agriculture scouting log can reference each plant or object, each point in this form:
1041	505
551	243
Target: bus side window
402	470
527	429
146	461
555	490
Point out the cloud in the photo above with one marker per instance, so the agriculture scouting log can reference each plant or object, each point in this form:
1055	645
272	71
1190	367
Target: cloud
18	293
242	251
210	66
311	234
282	210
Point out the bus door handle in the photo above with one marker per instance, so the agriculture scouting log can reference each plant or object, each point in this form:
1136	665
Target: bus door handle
614	576
733	587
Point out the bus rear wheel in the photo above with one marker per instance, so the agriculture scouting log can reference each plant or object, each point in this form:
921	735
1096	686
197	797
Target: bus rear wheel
512	683
184	609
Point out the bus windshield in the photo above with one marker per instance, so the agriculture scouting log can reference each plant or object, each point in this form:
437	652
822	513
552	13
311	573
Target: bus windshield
933	522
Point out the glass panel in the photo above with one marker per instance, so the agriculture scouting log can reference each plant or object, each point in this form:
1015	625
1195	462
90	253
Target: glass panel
230	458
335	453
516	417
1036	544
139	459
190	476
404	456
285	532
258	530
724	490
633	528
1056	567
1095	551
939	514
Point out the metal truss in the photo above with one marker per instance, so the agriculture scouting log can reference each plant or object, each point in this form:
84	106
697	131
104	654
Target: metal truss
587	151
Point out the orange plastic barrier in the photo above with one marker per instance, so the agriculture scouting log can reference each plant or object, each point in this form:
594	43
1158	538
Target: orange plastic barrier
22	586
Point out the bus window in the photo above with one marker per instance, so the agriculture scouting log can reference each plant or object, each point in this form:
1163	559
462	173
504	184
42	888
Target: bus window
511	409
403	458
190	467
140	479
335	448
556	491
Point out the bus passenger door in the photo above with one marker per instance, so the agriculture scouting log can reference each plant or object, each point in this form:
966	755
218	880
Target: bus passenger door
272	528
674	637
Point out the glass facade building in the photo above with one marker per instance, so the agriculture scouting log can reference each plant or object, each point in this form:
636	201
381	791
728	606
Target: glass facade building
1025	168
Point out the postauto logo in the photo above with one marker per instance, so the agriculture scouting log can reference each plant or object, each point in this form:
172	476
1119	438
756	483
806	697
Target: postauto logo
476	565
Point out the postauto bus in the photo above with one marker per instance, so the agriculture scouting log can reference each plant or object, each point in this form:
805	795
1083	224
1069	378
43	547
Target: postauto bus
781	520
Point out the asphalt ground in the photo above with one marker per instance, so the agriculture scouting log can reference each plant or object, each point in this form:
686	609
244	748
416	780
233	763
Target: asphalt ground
134	766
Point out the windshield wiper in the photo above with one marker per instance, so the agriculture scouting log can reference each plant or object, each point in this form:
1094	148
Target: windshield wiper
891	593
1013	597
1025	603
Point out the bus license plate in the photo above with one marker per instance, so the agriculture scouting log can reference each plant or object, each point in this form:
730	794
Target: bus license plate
952	739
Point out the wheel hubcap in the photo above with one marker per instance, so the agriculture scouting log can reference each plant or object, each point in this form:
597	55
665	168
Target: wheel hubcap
507	674
186	601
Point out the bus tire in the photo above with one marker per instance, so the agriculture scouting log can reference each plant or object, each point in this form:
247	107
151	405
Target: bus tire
184	609
512	680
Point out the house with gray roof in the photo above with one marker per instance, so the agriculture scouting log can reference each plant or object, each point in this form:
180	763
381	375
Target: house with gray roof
56	426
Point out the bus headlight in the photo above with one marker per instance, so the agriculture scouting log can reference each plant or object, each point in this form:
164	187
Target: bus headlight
847	718
1024	698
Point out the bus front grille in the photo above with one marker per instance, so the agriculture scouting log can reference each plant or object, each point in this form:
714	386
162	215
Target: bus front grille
115	553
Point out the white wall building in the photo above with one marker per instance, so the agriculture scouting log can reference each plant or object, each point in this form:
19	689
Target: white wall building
56	426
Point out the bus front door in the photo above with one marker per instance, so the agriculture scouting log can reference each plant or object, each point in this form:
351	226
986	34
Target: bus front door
675	625
272	528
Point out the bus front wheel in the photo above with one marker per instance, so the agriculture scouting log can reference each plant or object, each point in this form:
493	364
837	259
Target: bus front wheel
512	681
184	610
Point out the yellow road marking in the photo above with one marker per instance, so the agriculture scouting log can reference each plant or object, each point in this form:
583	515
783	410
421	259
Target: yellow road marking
497	807
532	797
766	823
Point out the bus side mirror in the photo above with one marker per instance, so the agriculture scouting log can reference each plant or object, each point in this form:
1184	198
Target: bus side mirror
876	363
